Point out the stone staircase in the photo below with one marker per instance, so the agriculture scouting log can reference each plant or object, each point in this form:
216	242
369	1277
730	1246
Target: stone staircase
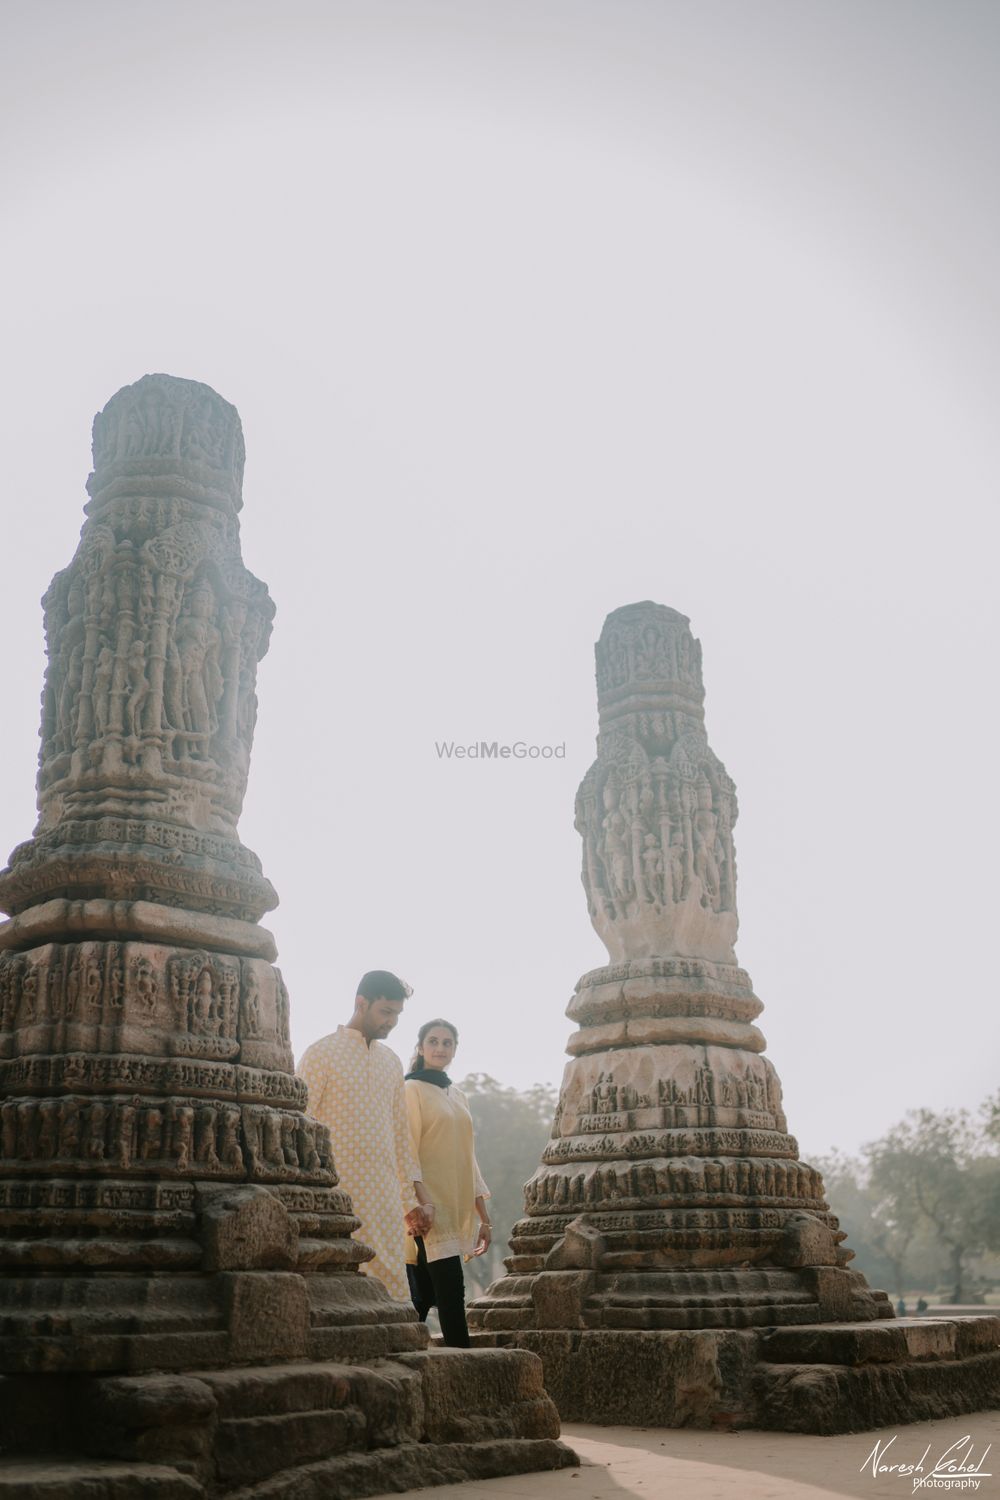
295	1432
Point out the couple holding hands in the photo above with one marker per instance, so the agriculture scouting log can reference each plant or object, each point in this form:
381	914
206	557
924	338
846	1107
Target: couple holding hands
404	1150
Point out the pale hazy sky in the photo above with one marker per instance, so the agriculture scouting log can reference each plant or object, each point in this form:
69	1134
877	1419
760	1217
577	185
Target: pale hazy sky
533	309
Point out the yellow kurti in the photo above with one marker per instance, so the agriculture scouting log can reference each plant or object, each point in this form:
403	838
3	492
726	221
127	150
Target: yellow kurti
441	1132
357	1092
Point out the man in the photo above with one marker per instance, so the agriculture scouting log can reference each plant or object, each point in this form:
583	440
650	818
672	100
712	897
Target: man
355	1088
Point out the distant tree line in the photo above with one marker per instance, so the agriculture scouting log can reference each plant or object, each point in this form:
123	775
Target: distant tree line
921	1205
512	1128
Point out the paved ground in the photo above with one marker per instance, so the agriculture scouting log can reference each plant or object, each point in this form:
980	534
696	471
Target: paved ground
632	1463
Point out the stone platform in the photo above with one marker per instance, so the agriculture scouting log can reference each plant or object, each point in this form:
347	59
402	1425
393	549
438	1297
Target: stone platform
810	1378
285	1431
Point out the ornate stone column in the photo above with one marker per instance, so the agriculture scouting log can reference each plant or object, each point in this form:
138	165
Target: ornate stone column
670	1196
165	1202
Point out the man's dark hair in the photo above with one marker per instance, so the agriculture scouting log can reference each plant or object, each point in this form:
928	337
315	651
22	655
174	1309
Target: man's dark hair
379	984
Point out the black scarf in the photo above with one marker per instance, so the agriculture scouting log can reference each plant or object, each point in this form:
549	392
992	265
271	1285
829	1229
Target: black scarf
431	1075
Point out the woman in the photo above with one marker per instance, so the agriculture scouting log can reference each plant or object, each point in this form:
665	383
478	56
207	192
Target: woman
441	1131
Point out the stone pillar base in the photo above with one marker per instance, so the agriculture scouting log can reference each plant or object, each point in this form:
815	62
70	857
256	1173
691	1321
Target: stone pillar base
817	1378
290	1431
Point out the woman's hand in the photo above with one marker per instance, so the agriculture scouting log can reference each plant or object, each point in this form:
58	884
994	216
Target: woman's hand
420	1219
483	1238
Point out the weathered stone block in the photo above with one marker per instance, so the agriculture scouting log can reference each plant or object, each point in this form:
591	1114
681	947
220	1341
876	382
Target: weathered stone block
247	1229
250	1449
267	1314
95	1480
470	1395
559	1298
149	1400
582	1247
805	1241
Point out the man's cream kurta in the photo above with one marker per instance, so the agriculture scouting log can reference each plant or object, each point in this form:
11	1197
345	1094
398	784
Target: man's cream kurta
357	1092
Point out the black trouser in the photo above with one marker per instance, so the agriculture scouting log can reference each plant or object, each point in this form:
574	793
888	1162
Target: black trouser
440	1284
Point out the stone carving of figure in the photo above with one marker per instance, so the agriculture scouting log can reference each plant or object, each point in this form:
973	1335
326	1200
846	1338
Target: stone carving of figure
204	1140
251	1134
68	696
273	1152
282	1002
202	1018
126	1131
308	1156
116	980
652	869
151	1134
707	849
138	687
676	854
246	711
605	1096
652	657
231	1151
182	1135
147	427
93	982
617	858
229	989
145	984
101	690
147	594
133	432
289	1149
251	1005
195	678
202	439
74	979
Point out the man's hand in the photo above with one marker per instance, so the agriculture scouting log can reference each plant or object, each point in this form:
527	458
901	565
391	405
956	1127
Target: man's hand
483	1239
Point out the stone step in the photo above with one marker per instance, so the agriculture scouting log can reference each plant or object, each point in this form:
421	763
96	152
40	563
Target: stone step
273	1390
611	1293
849	1377
318	1411
411	1466
250	1449
634	1313
91	1479
882	1342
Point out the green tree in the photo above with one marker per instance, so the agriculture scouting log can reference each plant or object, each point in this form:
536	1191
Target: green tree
939	1171
883	1253
512	1128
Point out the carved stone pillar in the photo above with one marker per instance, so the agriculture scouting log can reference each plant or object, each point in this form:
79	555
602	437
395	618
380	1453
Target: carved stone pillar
671	1196
165	1202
